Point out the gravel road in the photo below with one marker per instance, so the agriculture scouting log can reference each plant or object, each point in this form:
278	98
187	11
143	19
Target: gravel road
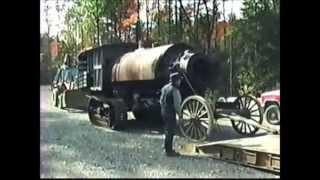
73	148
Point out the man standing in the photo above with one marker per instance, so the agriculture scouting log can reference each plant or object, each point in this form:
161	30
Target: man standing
170	101
66	80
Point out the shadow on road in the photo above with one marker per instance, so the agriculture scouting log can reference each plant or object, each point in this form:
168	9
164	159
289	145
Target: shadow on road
228	133
134	126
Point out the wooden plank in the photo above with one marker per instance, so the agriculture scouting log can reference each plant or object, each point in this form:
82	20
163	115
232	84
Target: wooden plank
255	159
268	143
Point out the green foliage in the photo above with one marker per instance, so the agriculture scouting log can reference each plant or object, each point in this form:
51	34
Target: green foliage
253	41
256	45
211	95
246	85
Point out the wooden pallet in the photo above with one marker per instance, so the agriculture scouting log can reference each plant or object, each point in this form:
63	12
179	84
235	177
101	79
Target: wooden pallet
259	152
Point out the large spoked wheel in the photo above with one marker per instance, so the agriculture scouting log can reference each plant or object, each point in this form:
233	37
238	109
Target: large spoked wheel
251	110
272	114
195	118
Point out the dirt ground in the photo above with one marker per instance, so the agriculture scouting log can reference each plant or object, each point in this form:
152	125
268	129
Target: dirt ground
73	148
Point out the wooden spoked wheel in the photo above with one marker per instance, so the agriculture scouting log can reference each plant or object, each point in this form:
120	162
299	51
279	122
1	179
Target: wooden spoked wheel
195	118
251	110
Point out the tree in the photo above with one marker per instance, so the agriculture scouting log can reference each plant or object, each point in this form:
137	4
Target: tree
47	8
176	19
138	26
95	9
257	45
169	22
186	15
147	14
210	22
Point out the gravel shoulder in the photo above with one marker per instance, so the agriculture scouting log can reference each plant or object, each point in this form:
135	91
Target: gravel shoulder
70	147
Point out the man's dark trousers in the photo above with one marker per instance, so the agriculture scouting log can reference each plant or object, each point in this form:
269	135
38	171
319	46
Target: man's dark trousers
169	129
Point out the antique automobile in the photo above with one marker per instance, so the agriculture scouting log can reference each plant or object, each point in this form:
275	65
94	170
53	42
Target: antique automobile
117	76
270	102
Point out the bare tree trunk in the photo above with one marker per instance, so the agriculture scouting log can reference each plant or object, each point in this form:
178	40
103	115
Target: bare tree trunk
107	29
120	19
209	26
147	14
180	22
94	40
224	27
194	6
115	34
47	8
187	17
169	28
138	26
231	68
196	21
185	13
150	31
58	11
214	17
98	32
215	23
255	45
81	38
97	24
158	18
176	19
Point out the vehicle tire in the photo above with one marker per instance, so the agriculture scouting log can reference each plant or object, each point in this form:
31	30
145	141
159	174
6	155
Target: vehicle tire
94	116
272	114
119	114
110	114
